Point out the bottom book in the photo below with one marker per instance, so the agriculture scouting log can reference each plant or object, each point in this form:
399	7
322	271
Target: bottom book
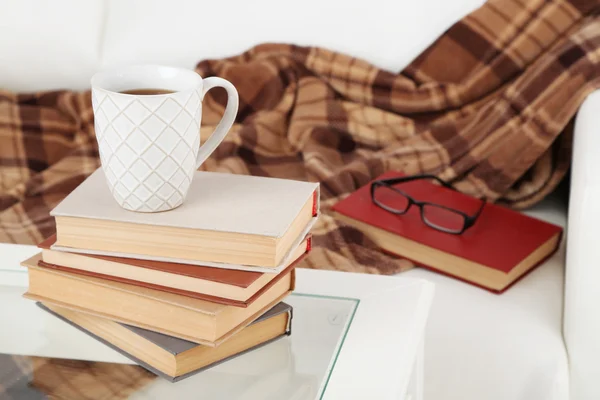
174	358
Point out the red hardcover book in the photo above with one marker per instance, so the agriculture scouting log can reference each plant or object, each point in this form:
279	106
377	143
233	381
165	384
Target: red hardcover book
501	247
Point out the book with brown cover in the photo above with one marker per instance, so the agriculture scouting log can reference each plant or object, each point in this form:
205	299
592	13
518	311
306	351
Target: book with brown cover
172	358
500	248
196	320
231	287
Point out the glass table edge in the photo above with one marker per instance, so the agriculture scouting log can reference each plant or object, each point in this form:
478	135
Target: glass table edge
323	389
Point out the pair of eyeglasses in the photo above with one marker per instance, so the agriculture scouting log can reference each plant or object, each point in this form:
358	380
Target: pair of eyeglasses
386	194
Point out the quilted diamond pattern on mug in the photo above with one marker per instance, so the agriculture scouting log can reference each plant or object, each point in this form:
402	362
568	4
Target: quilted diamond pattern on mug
148	147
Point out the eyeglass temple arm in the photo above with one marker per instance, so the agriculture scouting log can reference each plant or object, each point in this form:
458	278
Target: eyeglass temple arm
394	181
471	219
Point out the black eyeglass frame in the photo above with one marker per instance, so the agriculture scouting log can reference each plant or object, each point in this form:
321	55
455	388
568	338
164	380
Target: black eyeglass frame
469	220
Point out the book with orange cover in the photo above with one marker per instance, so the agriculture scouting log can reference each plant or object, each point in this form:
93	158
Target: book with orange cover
501	247
231	287
195	320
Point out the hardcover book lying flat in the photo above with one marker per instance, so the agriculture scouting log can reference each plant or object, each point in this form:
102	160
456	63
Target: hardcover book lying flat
229	221
172	358
218	285
502	245
198	321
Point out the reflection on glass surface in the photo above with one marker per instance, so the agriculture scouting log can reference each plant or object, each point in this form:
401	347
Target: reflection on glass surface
34	378
295	367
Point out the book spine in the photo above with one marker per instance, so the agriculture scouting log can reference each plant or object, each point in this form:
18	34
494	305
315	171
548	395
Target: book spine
288	330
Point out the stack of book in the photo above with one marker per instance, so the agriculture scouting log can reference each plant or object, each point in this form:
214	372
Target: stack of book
181	290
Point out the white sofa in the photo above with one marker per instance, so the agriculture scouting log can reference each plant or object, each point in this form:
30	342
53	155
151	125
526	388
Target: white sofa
517	346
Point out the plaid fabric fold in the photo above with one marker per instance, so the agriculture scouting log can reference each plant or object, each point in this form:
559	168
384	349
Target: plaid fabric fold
488	106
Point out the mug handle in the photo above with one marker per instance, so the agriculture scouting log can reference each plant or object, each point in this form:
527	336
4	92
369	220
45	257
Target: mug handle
226	122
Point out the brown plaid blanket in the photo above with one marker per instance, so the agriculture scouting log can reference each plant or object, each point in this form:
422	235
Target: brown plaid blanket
488	106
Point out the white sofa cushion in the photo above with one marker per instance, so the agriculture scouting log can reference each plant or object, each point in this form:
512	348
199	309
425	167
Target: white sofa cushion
387	33
62	43
49	44
582	294
480	345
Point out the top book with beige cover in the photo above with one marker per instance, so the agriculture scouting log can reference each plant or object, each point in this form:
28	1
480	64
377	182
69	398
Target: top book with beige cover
228	221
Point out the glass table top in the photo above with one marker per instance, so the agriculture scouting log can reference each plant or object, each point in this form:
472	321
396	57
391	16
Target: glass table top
295	367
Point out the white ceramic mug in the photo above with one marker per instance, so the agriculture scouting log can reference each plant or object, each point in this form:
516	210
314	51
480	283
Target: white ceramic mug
150	144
